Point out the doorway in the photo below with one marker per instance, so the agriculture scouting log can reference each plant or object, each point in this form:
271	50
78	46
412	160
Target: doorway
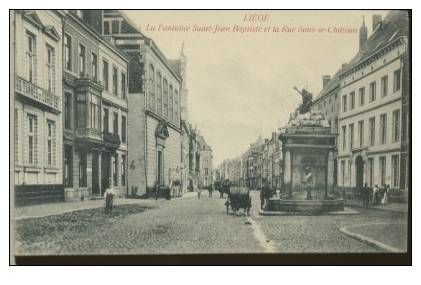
359	167
160	174
105	171
95	174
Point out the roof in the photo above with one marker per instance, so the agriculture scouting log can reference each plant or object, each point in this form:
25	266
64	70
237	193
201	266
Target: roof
393	26
175	65
331	85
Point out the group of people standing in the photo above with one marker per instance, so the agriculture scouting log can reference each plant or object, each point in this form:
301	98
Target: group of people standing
379	196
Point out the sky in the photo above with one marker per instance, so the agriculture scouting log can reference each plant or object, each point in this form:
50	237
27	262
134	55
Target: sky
240	85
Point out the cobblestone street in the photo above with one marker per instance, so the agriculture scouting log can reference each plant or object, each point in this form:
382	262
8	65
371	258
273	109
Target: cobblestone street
189	225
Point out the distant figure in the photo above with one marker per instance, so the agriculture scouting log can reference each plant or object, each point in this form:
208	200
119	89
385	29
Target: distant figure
109	198
308	182
385	199
210	189
366	196
375	200
199	191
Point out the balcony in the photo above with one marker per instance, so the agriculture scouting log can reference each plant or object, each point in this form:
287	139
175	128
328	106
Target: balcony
87	135
35	93
111	139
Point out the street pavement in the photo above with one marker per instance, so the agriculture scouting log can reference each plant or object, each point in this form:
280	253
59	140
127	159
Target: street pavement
190	225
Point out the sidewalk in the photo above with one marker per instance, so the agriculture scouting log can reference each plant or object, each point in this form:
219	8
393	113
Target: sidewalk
393	207
48	209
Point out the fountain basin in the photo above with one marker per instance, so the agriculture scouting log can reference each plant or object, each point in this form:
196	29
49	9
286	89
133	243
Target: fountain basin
305	206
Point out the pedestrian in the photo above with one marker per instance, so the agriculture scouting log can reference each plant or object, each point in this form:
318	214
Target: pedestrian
385	199
262	197
109	198
210	189
365	196
375	200
199	191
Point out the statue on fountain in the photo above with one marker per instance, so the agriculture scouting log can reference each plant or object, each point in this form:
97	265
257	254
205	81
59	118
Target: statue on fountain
307	97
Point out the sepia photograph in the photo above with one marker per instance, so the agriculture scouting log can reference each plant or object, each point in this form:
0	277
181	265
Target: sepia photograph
218	134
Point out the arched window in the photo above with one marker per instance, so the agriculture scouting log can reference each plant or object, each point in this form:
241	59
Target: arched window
176	118
151	87
165	98
170	104
159	92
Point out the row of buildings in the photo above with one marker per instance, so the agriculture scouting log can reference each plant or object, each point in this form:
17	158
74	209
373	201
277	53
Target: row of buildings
98	105
366	103
260	164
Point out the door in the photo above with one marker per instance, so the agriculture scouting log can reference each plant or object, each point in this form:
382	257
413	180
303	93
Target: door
95	178
359	179
105	171
160	174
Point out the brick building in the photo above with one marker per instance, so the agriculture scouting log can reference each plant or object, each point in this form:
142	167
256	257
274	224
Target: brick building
95	108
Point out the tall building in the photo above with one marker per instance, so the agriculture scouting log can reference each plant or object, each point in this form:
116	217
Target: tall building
37	84
95	108
155	134
370	116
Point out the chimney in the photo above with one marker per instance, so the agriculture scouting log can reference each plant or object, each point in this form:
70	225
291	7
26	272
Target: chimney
363	34
377	20
326	79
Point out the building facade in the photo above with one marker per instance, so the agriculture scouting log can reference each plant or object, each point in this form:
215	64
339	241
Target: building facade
95	109
37	85
155	135
370	116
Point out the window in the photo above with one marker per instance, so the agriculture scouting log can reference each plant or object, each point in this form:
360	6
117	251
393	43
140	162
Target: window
82	60
94	112
351	136
123	85
165	98
50	143
396	125
115	27
372	130
115	165
383	126
30	57
115	123
352	99
32	139
105	74
397	80
343	137
123	129
382	164
115	81
68	52
67	110
344	99
151	87
384	86
50	68
361	133
361	93
82	170
68	166
372	91
395	171
206	171
123	170
170	103
106	27
94	67
81	111
159	93
370	168
16	134
176	106
105	120
343	172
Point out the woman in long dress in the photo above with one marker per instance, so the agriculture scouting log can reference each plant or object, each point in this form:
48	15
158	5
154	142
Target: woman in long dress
385	199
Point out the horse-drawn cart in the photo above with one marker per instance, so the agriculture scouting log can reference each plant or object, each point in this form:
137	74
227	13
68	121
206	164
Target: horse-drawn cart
238	198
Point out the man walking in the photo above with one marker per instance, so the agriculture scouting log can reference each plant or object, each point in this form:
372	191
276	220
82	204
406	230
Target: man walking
366	196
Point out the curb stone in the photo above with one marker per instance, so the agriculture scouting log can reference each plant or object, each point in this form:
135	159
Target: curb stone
367	240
